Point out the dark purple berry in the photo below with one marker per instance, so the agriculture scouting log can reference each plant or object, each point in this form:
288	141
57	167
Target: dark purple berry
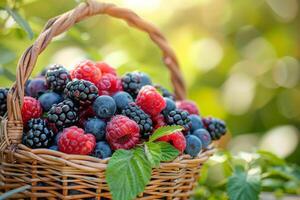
36	87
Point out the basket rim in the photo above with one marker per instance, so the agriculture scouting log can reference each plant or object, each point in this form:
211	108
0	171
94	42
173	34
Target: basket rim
89	163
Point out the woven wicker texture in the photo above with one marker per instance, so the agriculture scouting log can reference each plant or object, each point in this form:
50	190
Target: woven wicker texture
55	175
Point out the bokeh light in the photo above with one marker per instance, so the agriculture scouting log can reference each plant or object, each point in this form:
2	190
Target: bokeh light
282	140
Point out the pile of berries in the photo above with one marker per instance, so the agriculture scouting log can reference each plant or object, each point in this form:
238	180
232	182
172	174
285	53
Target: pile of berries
90	110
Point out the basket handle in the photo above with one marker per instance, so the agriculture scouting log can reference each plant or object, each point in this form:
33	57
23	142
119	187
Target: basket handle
62	23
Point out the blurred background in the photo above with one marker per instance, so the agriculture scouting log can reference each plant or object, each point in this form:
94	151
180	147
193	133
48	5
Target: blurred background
240	59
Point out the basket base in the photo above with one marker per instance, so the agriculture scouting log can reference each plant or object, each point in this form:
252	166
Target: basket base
52	177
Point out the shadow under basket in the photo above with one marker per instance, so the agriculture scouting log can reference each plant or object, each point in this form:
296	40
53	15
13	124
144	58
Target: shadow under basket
46	174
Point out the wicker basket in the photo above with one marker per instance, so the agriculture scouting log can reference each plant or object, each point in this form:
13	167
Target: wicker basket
52	175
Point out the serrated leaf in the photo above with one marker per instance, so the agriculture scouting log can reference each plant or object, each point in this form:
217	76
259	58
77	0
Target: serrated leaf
164	130
21	21
153	153
128	172
168	152
243	186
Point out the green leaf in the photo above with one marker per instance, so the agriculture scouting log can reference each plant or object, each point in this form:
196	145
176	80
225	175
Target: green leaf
272	183
270	158
164	130
128	172
153	153
243	186
21	21
168	152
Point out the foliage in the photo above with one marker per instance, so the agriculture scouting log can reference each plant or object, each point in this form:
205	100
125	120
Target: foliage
21	21
243	185
244	176
129	171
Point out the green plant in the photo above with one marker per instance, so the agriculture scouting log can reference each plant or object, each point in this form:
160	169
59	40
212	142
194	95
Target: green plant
129	171
246	175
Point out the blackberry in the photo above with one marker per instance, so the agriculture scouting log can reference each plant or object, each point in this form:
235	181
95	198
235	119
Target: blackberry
164	92
215	127
63	114
38	135
3	101
179	117
132	83
57	77
144	121
81	91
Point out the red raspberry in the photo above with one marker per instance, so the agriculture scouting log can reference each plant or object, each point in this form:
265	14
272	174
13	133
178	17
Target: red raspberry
73	140
109	84
31	109
188	106
165	138
177	139
150	100
86	70
122	132
158	121
106	68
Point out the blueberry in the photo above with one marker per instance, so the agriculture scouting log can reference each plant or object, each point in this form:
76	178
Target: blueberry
48	99
57	138
122	99
196	122
27	92
193	145
96	127
144	78
104	106
54	147
36	87
204	136
170	105
102	150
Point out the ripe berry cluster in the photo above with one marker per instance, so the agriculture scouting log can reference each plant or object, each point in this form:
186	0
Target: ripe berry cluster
90	110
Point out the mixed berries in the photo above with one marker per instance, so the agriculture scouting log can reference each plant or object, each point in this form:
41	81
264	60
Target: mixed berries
90	110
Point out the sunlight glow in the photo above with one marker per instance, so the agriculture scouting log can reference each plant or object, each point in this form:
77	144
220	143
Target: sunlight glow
68	56
238	93
207	53
285	9
282	140
142	5
286	72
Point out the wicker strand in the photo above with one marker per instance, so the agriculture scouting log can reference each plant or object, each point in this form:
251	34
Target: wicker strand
4	140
